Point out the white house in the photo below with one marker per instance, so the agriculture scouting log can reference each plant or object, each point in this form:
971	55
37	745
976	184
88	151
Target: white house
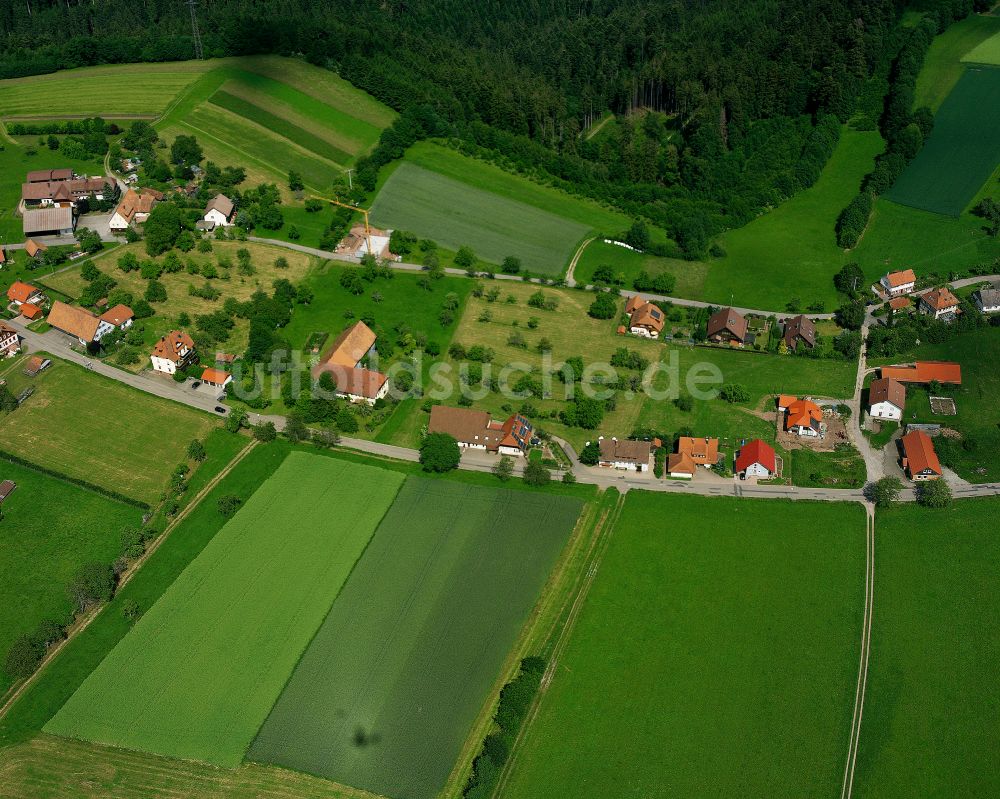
473	429
939	303
172	352
625	454
10	342
219	211
21	293
133	208
896	284
756	459
804	418
987	300
886	399
86	327
119	316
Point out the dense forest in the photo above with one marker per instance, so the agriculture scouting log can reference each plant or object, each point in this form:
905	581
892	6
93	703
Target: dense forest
726	107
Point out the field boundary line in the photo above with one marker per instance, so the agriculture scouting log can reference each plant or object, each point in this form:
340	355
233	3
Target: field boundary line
847	787
88	617
575	260
599	548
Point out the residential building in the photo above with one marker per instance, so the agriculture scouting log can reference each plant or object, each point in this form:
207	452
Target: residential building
804	418
341	361
756	459
119	316
987	300
85	326
645	319
10	341
624	453
727	326
54	221
886	399
800	330
134	208
172	352
351	346
897	283
477	430
33	248
31	312
692	453
20	293
220	210
66	193
919	458
355	243
925	372
219	378
939	303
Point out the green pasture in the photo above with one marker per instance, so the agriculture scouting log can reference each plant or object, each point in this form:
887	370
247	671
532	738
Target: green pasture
987	52
99	430
50	528
454	213
963	149
199	672
689	275
931	705
386	693
715	655
943	65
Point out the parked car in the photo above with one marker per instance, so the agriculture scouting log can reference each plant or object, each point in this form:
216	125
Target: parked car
219	409
195	384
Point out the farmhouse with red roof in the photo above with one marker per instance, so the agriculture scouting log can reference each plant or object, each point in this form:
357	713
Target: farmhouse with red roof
756	459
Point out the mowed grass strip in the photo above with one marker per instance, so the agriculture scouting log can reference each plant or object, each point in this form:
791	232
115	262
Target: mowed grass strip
198	674
987	52
930	724
962	151
716	655
385	695
50	529
280	125
101	431
454	214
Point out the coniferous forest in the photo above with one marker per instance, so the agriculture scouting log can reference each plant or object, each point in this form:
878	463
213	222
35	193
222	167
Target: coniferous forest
748	96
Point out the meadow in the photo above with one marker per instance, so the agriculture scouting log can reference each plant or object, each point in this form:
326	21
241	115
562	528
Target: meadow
50	528
101	431
943	64
713	659
689	275
384	696
963	149
930	713
199	672
987	52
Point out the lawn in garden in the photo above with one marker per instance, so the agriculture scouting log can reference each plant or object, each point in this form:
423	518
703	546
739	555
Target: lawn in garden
387	691
716	655
200	671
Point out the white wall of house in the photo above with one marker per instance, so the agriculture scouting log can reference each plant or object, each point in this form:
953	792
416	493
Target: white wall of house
757	470
685	475
627	465
515	451
165	365
904	288
802	430
937	314
118	222
641	331
10	345
216	216
885	410
102	330
986	308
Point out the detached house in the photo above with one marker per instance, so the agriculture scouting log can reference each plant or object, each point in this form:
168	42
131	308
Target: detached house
172	352
756	459
621	453
645	319
692	453
220	211
804	418
134	208
939	303
119	316
919	458
341	360
727	326
477	430
10	341
800	330
86	327
987	300
21	293
886	399
898	283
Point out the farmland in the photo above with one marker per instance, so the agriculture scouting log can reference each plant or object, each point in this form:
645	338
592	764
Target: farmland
458	201
929	725
99	430
689	275
943	65
50	528
987	52
962	151
384	697
710	659
199	672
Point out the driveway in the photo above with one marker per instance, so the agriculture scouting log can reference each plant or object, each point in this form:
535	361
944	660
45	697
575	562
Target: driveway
98	223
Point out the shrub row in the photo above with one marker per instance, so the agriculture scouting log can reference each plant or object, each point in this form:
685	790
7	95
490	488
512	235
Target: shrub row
75	480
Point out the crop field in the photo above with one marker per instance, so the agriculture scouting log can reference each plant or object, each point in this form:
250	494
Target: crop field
943	65
930	714
99	430
199	672
384	696
987	52
962	151
710	658
50	528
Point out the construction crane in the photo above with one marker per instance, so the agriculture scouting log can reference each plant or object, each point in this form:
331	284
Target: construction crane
368	234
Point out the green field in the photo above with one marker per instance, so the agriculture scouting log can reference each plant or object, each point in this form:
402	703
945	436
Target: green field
50	528
199	672
931	708
99	430
962	151
943	64
716	655
689	275
417	637
987	52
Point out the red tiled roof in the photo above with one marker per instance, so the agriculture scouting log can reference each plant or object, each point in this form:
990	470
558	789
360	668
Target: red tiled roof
919	452
117	315
897	279
802	413
940	299
349	347
925	372
19	292
353	380
216	376
30	311
756	451
74	320
170	346
898	303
